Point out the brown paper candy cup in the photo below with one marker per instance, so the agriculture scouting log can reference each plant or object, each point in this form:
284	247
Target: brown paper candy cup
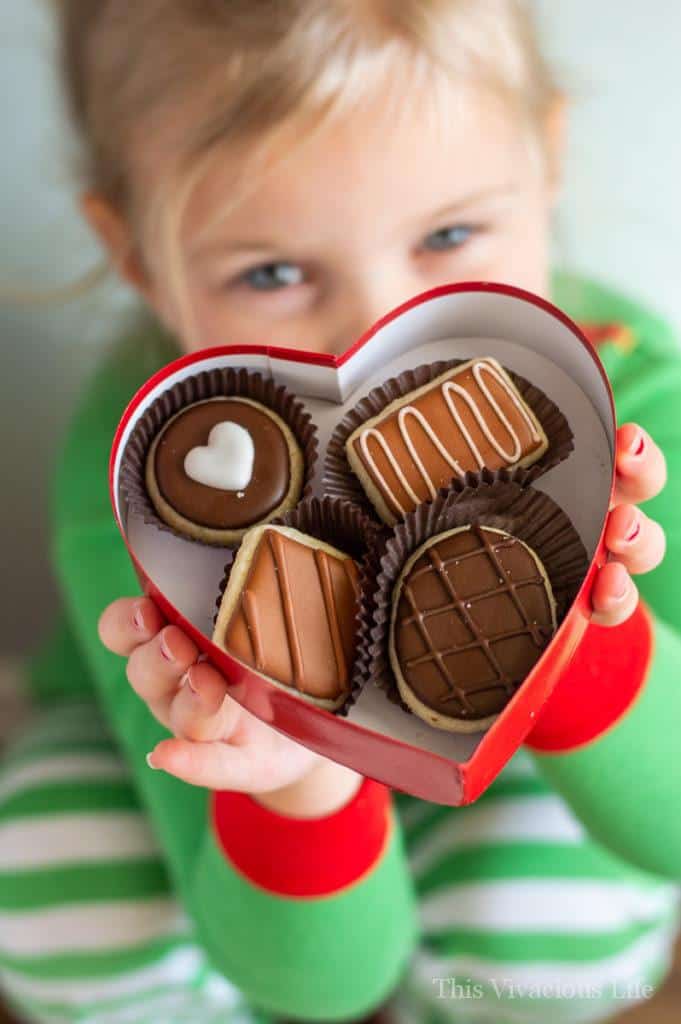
347	528
490	499
227	382
339	479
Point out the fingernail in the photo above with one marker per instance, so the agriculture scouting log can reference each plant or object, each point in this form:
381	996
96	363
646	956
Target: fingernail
150	762
633	531
138	618
637	445
165	650
187	680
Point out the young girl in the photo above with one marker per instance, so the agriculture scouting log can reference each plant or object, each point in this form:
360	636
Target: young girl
288	172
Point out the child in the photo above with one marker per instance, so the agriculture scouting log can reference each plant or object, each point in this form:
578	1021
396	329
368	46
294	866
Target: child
289	172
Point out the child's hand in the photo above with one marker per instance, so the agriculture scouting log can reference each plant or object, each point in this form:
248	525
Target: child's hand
217	743
635	542
220	745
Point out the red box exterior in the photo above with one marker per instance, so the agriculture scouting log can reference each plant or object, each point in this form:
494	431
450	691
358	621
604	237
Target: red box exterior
398	764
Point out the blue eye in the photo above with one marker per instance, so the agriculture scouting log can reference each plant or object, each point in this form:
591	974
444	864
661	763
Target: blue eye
449	238
273	276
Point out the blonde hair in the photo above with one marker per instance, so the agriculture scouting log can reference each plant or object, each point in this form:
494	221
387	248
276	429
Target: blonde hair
242	71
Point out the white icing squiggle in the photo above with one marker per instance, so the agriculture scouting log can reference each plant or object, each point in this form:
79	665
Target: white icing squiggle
393	464
448	389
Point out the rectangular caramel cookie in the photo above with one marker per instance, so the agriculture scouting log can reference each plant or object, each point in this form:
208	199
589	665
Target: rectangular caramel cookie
470	417
289	612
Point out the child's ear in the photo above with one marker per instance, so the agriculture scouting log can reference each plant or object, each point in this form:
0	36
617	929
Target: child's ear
555	134
114	233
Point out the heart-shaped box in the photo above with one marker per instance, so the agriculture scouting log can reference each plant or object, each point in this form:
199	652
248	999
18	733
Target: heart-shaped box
377	738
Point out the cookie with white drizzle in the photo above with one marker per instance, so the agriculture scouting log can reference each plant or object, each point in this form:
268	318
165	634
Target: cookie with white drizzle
468	418
220	466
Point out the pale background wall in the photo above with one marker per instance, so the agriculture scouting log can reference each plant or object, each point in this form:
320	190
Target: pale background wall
621	218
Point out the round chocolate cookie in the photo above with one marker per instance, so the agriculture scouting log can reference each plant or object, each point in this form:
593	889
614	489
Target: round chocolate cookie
472	612
223	465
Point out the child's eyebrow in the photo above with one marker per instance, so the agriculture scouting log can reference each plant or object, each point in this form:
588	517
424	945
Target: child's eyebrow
460	205
219	247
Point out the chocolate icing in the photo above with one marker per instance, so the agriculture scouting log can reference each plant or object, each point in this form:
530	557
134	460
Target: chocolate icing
213	507
295	620
472	417
474	613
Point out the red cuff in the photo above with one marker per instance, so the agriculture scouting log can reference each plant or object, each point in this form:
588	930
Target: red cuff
303	857
598	687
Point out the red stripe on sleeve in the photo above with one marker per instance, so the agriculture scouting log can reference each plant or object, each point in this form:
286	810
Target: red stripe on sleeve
303	857
617	333
607	672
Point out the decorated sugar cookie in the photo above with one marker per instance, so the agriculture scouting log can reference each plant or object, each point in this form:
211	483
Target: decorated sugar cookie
472	612
220	466
468	418
289	611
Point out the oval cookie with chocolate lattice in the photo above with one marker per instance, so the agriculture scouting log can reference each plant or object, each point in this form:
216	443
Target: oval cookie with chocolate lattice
473	610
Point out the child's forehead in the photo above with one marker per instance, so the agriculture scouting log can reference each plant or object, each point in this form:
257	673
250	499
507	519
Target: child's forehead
371	165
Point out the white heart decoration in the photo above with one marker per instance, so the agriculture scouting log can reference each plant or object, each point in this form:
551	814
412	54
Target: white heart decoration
226	462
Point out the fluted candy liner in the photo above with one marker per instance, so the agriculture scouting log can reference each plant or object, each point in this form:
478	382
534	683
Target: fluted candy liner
227	382
490	499
339	479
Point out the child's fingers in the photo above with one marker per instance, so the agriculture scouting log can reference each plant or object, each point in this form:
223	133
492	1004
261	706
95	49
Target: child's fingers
212	765
156	668
634	539
614	596
641	466
129	622
201	709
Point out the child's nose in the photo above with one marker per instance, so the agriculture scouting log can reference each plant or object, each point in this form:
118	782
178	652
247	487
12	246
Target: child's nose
367	300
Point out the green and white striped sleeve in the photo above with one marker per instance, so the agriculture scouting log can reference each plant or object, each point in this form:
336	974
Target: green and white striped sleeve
277	945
